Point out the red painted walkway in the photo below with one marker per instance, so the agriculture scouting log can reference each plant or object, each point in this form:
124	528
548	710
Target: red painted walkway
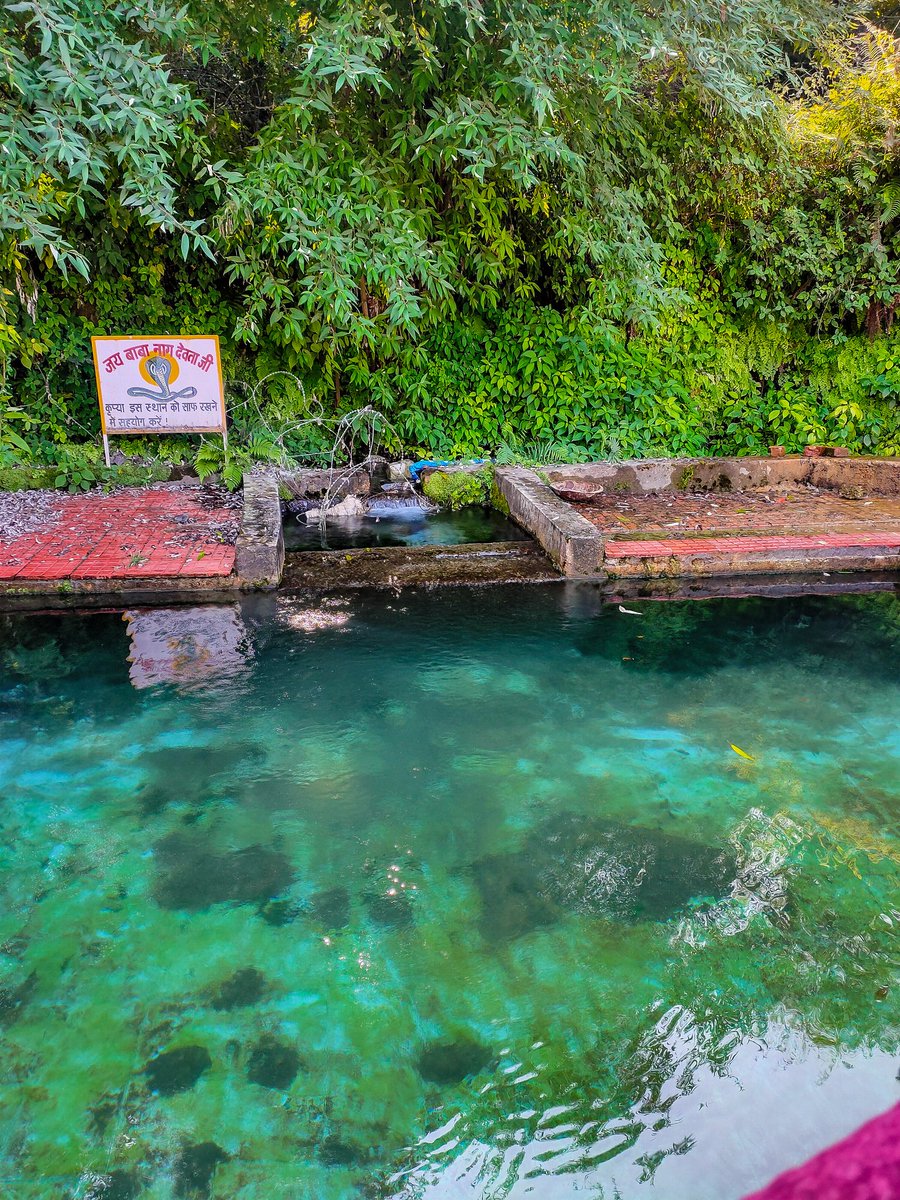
133	533
653	548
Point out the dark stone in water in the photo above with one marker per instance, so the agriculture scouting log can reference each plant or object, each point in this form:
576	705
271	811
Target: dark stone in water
184	773
331	908
195	1167
599	869
390	910
273	1064
194	877
114	1185
335	1153
242	988
14	999
451	1062
512	900
279	912
103	1112
177	1070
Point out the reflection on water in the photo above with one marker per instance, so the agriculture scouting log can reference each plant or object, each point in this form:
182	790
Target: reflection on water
401	527
186	645
442	895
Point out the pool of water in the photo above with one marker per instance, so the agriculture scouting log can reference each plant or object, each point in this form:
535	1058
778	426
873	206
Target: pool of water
402	528
446	894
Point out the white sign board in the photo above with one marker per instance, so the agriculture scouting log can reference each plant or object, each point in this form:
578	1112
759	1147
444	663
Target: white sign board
159	384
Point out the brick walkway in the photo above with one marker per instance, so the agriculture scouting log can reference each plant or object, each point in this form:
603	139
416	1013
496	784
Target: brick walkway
663	516
668	525
161	532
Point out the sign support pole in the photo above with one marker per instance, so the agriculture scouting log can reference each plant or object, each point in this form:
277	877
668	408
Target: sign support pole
106	450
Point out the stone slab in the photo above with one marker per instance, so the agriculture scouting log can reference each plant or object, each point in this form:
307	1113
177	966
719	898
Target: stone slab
259	550
635	590
571	542
725	560
407	566
876	476
166	537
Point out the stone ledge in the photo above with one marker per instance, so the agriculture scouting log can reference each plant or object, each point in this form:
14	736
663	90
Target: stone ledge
259	549
472	564
572	542
875	476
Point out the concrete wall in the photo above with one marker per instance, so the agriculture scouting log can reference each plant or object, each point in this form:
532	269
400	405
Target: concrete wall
572	542
259	549
876	476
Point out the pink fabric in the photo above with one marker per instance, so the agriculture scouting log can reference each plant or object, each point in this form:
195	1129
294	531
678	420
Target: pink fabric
865	1166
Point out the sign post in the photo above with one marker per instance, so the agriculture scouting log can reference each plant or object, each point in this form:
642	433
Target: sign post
159	385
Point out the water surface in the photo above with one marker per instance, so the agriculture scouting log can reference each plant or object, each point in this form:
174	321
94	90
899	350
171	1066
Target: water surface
446	894
402	527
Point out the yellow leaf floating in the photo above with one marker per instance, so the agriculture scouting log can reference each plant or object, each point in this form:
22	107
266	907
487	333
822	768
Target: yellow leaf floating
742	753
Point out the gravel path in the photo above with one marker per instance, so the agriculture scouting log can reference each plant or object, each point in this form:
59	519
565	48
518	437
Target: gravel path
22	513
27	512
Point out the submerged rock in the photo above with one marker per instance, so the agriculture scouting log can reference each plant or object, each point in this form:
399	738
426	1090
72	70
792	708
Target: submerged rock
451	1062
177	1070
185	773
273	1064
241	989
599	869
111	1185
279	912
193	877
513	902
195	1168
396	910
335	1153
331	908
14	999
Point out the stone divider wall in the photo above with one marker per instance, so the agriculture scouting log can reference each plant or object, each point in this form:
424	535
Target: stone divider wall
572	542
259	549
875	476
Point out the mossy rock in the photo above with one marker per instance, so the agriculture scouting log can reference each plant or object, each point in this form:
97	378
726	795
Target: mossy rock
498	500
460	489
26	479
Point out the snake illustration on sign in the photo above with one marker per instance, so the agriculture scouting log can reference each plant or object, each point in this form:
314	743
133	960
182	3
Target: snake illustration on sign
159	385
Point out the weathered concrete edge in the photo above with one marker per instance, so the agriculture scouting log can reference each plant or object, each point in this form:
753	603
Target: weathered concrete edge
767	562
470	564
876	476
702	587
259	549
570	541
115	593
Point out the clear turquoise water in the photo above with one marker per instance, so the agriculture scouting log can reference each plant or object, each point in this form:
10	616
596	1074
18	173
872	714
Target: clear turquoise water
457	894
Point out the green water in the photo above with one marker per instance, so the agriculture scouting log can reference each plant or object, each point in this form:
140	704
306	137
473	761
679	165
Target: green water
402	528
458	894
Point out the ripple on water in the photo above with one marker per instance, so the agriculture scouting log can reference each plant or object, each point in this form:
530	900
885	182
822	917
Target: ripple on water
599	869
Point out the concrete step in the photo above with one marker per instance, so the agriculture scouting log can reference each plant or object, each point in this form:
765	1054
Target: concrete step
814	551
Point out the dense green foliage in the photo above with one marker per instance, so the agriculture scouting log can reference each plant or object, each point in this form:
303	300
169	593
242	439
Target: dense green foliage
617	229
